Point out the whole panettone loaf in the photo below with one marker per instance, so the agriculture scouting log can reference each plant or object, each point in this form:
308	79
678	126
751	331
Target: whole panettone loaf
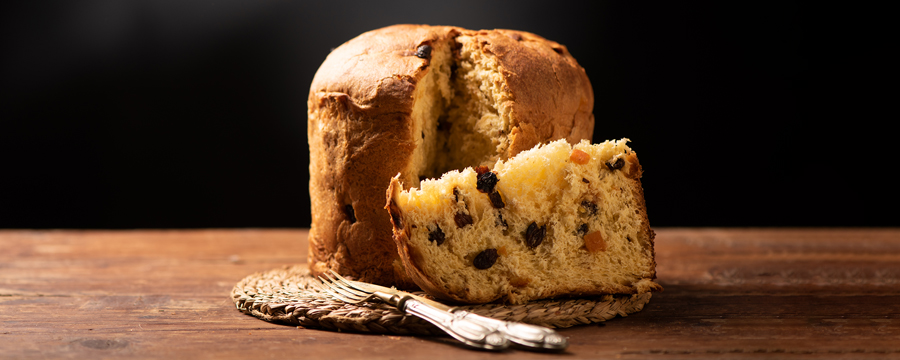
420	101
554	220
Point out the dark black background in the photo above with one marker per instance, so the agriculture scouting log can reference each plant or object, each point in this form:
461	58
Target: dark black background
177	114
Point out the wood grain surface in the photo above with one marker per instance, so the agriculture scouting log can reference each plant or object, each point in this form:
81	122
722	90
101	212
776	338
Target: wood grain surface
729	293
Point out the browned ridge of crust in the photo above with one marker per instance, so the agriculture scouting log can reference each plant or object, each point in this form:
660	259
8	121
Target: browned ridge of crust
360	111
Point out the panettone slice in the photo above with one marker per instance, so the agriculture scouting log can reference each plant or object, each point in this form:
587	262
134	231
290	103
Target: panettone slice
555	220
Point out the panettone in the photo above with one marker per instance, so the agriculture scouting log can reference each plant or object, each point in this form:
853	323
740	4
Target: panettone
421	101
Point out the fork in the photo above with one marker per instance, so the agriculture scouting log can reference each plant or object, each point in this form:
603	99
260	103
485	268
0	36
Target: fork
469	328
466	331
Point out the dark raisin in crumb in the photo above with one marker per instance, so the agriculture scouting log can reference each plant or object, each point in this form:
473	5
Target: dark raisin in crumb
424	51
350	213
501	222
486	182
589	206
481	169
423	134
485	259
437	235
585	181
618	164
628	238
534	235
583	229
463	219
456	194
496	200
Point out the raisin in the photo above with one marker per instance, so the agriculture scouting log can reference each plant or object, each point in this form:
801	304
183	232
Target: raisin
496	200
437	235
515	36
456	194
424	51
534	235
463	219
486	182
589	206
481	169
618	164
485	259
348	209
585	181
583	229
501	222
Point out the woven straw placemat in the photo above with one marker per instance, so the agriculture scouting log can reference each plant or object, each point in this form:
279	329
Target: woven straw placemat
285	296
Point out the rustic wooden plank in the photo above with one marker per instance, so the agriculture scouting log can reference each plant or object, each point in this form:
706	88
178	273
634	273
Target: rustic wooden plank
71	293
729	293
799	292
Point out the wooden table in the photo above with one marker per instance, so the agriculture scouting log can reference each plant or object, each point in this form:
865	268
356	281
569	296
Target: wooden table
165	294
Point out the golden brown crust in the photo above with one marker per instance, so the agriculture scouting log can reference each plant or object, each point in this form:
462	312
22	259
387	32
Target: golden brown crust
378	69
561	107
360	102
636	171
360	106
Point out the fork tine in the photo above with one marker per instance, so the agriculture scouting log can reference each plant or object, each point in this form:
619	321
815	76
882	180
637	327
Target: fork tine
353	284
347	287
341	293
330	286
321	286
330	289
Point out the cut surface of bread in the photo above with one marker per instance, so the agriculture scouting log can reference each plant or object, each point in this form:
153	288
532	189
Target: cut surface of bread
422	100
554	220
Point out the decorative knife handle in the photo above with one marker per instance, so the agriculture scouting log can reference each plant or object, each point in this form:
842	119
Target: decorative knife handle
458	324
519	333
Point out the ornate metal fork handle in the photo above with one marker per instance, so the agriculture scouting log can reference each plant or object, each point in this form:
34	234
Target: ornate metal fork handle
523	334
457	325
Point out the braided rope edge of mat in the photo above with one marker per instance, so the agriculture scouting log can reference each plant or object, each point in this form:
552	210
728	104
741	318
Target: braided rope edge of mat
285	296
